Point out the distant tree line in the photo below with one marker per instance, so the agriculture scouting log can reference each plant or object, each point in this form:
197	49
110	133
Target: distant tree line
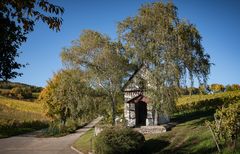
19	90
213	88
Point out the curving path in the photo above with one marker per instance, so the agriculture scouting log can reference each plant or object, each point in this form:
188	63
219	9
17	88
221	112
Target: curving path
30	144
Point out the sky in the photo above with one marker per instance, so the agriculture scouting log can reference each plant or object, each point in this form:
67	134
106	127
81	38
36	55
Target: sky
218	22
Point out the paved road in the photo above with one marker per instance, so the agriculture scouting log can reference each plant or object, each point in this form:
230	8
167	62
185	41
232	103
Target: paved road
30	144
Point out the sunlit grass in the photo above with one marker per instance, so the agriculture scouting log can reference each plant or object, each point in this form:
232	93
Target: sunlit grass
188	137
21	105
17	117
84	142
196	98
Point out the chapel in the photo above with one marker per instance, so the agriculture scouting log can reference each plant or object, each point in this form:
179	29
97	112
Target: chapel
138	109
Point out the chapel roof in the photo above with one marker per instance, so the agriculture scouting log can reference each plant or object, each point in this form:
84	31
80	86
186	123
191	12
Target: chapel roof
132	76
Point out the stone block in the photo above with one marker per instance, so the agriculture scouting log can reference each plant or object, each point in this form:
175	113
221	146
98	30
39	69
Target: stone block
152	129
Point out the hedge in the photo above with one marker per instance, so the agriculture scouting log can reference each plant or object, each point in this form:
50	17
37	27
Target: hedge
116	140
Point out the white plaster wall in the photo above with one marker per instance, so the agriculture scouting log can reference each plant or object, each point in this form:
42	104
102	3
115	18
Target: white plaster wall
149	122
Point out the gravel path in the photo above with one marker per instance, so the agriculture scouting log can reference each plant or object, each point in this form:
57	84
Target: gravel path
30	144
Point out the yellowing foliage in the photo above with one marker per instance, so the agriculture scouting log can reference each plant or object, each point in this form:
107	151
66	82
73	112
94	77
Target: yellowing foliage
217	87
46	97
21	105
196	102
226	126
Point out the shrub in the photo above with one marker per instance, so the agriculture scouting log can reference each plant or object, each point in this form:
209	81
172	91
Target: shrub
57	128
228	88
217	88
233	87
54	129
116	140
226	126
71	125
190	90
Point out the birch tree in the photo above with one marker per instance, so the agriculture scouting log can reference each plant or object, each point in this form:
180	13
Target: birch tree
103	61
170	47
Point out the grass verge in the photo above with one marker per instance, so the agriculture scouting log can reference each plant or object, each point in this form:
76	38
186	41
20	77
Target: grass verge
85	142
189	136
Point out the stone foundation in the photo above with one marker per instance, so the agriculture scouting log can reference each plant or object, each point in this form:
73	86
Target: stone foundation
151	129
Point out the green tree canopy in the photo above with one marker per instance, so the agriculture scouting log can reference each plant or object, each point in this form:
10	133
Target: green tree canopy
169	46
103	61
11	38
235	87
17	19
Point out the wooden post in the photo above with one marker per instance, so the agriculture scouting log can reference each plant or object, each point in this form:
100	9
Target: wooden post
91	148
214	138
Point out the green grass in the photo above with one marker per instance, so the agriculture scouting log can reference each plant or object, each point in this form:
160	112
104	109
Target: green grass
17	117
189	136
85	143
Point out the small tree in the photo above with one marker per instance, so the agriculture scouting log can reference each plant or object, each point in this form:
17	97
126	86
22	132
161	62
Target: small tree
217	88
228	88
235	87
226	127
66	96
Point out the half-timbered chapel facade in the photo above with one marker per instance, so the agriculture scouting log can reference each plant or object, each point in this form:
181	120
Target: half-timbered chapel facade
138	109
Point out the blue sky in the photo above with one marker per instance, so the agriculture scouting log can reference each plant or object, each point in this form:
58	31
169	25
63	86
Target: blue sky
217	20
